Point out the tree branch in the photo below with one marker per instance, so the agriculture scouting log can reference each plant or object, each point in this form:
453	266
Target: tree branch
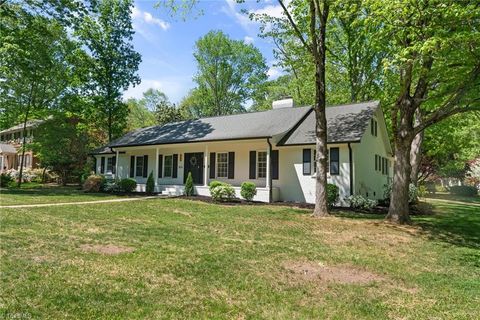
294	26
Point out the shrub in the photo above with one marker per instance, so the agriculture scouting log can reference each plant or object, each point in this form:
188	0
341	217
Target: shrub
332	195
216	183
422	191
94	183
467	191
412	193
248	190
127	185
150	187
189	185
223	192
110	185
360	202
5	180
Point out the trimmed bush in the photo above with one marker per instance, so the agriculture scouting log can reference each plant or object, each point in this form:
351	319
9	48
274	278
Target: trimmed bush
360	202
127	185
223	193
467	191
332	195
189	190
94	183
216	183
248	190
5	180
150	187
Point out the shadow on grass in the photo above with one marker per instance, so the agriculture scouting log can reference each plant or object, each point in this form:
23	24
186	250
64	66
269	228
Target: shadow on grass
447	196
49	190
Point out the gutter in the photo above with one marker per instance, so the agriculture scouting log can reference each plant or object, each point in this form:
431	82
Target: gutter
350	163
270	180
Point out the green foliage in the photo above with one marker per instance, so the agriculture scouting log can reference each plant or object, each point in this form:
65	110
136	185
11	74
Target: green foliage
360	202
138	115
467	191
150	187
94	183
5	180
332	195
127	185
229	71
189	189
412	193
248	190
223	192
216	183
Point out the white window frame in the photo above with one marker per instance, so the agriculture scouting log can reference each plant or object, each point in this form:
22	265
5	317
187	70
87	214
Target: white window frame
106	165
165	166
218	165
136	166
258	164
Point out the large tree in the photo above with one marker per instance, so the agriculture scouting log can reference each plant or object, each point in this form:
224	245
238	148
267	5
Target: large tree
228	73
107	32
433	54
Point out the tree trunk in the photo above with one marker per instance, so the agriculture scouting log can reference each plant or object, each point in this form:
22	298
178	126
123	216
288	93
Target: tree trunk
416	150
398	212
321	207
22	161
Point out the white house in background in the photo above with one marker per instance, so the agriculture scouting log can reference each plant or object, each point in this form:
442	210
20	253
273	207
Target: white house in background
275	149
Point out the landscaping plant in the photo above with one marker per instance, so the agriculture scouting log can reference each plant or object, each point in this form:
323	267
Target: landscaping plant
127	185
94	183
332	195
360	202
223	193
248	190
189	185
150	187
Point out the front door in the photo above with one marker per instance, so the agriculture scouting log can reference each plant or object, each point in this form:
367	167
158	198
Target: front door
193	164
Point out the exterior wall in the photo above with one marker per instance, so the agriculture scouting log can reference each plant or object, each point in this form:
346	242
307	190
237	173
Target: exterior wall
369	182
296	187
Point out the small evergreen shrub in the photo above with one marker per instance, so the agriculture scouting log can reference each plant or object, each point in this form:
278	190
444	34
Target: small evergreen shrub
189	190
150	187
412	193
222	193
248	190
360	202
127	185
5	180
332	195
467	191
94	183
110	186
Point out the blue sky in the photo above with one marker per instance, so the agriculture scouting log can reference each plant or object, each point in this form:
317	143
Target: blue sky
167	44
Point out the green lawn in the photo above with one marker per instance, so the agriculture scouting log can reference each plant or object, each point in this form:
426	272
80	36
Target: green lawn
37	193
187	259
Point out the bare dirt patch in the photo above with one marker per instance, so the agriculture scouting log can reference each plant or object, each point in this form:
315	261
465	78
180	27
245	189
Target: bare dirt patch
310	271
108	249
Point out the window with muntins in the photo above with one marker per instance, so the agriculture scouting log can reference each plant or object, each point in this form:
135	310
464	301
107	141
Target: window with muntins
168	166
139	166
109	164
262	164
222	165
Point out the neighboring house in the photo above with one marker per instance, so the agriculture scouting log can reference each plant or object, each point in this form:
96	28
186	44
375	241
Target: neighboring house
275	149
13	138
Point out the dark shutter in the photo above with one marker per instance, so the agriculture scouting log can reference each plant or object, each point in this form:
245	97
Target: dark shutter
274	156
145	166
95	165
372	130
334	161
132	166
375	128
376	162
253	165
114	164
212	165
231	165
175	165
307	162
160	165
102	165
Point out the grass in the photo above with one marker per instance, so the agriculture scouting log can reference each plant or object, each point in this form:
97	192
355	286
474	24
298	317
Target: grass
33	193
448	196
198	260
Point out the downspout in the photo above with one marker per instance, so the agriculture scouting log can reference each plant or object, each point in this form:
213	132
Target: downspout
350	163
270	173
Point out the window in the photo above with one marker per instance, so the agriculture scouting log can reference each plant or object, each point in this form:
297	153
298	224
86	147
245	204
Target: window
262	164
334	161
168	166
373	127
222	165
109	165
315	161
139	167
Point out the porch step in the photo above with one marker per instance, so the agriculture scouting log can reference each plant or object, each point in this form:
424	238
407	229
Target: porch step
170	191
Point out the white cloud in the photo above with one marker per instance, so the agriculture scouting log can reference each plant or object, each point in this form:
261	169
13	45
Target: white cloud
241	18
274	72
248	40
174	87
146	17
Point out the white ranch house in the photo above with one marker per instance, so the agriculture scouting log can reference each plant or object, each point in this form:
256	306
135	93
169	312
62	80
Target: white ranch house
275	149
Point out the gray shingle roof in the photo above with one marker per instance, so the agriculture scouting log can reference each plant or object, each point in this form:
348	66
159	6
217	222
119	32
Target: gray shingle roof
7	148
240	126
345	123
102	150
30	124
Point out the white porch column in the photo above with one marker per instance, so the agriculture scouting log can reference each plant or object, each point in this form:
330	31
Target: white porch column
267	184
155	170
116	165
205	166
